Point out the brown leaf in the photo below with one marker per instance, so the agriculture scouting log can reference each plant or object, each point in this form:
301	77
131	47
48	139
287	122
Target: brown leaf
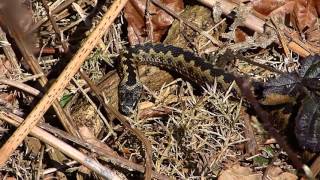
240	36
138	26
238	172
265	7
281	11
317	5
304	11
305	14
276	173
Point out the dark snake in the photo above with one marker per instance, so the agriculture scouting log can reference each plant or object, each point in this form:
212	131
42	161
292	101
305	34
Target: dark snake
196	69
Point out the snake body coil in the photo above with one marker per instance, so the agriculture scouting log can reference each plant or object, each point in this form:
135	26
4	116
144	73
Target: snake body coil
168	57
201	72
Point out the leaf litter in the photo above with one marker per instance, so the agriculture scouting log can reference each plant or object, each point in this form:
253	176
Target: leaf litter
195	132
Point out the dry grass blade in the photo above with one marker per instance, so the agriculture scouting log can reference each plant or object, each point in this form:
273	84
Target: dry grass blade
56	89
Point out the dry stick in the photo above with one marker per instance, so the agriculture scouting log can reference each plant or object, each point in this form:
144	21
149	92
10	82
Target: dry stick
104	119
65	148
298	46
20	85
58	9
98	147
36	69
8	51
188	23
63	166
65	48
40	163
31	78
55	26
123	120
148	20
104	152
57	88
251	21
283	40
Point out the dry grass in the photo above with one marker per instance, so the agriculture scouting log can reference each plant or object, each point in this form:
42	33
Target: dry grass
198	137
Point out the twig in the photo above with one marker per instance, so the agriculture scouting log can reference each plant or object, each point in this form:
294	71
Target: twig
250	145
188	23
271	69
55	26
58	9
251	21
8	51
65	48
149	23
123	120
57	88
65	148
298	46
54	169
40	166
283	40
32	77
104	119
22	86
104	151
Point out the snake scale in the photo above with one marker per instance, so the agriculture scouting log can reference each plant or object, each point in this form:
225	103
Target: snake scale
196	69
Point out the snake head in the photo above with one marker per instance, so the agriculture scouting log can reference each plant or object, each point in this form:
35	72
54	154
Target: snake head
129	97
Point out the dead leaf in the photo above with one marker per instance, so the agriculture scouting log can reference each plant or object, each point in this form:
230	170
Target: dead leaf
33	146
283	10
240	36
265	7
238	172
276	173
305	14
317	5
138	26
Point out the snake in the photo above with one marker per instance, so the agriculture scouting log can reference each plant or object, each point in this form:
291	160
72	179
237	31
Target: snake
198	70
